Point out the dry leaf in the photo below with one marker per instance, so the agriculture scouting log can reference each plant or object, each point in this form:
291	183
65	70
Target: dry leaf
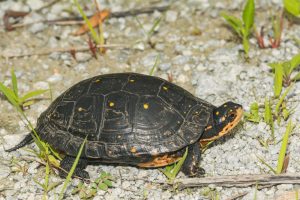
285	163
288	195
97	18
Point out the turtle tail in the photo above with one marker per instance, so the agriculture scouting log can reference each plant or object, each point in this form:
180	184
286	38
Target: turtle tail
27	140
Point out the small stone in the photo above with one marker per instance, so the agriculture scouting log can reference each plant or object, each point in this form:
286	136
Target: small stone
182	78
55	78
41	85
83	57
139	46
80	67
171	16
4	172
12	140
164	66
37	27
35	4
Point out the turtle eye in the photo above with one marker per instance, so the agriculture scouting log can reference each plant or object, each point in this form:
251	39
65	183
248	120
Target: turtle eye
231	115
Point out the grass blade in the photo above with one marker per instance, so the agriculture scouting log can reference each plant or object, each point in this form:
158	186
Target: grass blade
156	23
234	22
9	94
283	148
14	83
88	23
155	65
61	194
278	105
295	61
248	16
32	94
178	165
266	164
278	80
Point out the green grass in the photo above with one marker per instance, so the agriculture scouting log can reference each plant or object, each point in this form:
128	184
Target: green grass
253	115
171	171
292	7
282	152
13	96
283	72
157	59
68	179
243	26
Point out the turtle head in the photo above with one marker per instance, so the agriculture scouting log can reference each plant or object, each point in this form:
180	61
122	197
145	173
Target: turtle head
223	119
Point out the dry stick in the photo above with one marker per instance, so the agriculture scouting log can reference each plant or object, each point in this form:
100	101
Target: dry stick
49	51
79	20
239	180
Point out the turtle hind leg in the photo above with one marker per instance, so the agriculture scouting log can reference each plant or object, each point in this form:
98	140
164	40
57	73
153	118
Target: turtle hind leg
67	163
190	166
27	140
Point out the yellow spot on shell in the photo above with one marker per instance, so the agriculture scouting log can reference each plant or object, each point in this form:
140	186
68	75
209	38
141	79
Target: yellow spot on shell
80	109
225	105
146	106
111	104
165	88
131	80
217	113
97	81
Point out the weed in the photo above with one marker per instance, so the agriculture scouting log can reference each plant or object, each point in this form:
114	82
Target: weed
103	182
68	179
253	115
171	171
153	29
244	26
283	73
155	65
13	95
282	153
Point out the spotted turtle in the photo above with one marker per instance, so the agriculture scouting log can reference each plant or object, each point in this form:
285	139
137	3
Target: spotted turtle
132	119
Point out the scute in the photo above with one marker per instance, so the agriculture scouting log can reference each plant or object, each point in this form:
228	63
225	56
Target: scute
124	116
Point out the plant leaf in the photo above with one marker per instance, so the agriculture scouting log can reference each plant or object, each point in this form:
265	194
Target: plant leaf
103	186
152	30
178	165
278	80
61	194
248	16
14	83
296	77
266	164
9	94
292	6
295	62
32	94
246	45
283	148
234	22
108	183
279	103
253	116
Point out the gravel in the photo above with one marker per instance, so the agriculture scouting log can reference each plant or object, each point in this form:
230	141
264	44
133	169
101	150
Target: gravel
207	62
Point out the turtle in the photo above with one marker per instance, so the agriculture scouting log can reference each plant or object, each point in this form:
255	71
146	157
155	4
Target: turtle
132	119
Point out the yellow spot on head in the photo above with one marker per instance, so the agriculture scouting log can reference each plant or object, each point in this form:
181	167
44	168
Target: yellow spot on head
131	80
146	106
217	113
111	104
133	150
223	119
165	88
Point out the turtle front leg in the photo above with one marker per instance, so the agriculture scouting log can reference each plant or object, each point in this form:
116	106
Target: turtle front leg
190	166
67	163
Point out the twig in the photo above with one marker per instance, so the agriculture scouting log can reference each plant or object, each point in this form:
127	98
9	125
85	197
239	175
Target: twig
70	49
238	180
79	20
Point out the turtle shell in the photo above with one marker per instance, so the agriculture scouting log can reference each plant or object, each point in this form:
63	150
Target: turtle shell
124	116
